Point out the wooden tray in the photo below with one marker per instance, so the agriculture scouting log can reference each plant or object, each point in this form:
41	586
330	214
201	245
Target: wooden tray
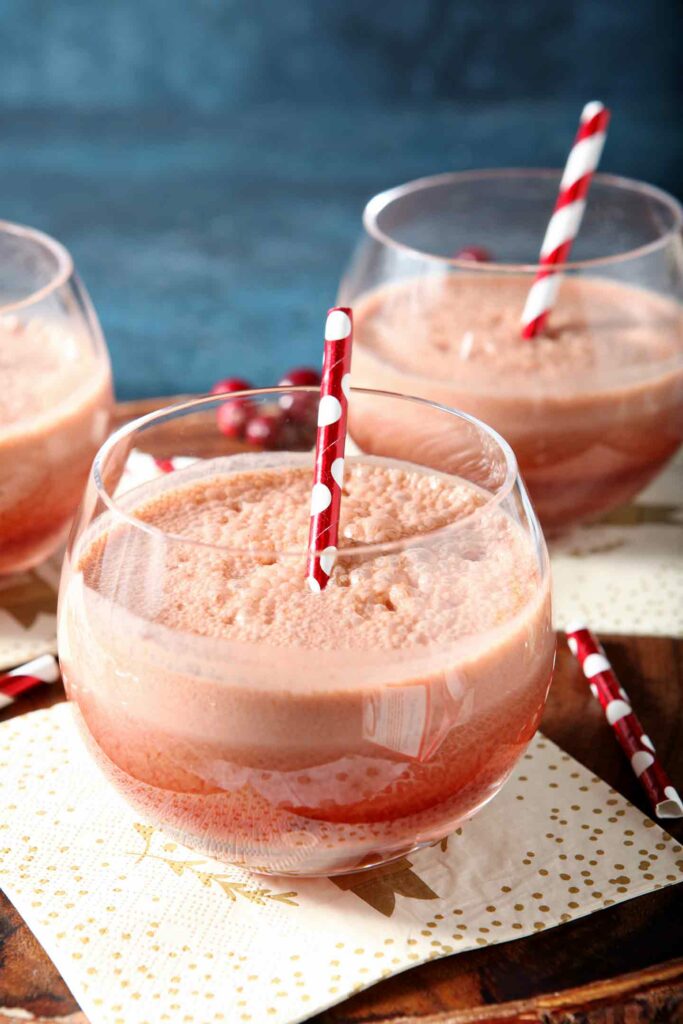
624	964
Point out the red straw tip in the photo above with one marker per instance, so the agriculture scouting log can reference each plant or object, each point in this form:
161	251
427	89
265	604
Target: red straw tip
531	329
339	323
594	116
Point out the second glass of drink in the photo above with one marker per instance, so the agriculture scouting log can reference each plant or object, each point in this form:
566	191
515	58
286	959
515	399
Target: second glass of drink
593	405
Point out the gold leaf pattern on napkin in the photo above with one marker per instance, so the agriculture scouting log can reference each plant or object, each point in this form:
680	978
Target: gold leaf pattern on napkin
255	893
379	886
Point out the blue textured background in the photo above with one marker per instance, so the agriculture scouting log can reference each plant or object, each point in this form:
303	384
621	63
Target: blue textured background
206	161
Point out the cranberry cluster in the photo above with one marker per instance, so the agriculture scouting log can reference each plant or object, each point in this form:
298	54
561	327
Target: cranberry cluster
291	424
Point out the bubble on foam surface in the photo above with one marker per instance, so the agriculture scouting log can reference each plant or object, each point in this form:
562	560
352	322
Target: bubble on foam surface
247	584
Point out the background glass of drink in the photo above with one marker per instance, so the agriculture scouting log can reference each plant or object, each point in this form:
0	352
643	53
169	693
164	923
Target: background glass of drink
593	406
56	394
296	732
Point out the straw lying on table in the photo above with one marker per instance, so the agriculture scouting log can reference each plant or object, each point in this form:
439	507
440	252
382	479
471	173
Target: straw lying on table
328	476
34	673
564	224
616	704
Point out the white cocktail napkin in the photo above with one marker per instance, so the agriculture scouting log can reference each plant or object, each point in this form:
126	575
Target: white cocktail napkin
28	624
145	931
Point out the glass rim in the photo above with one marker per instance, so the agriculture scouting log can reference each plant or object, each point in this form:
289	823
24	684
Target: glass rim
171	412
63	272
379	202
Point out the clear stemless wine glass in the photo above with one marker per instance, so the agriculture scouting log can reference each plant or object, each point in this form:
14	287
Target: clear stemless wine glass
593	406
288	731
56	394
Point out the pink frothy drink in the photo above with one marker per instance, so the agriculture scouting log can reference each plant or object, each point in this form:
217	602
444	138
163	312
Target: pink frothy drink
303	732
593	403
55	399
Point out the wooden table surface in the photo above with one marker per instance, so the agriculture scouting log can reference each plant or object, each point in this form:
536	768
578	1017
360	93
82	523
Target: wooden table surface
623	965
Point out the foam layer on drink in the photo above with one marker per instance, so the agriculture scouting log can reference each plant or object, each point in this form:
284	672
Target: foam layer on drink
601	334
592	407
54	412
299	731
419	588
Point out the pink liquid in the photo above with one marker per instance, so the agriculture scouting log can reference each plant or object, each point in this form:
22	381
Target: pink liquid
593	408
55	403
297	732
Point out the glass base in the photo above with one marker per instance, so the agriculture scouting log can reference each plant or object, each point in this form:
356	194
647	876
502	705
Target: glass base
368	863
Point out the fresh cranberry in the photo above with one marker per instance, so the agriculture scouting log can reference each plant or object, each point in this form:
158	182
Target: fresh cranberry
232	418
474	253
263	430
300	407
230	384
300	377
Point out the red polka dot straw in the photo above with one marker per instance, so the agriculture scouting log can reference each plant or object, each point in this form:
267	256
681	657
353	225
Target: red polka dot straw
328	475
176	462
616	704
34	673
565	222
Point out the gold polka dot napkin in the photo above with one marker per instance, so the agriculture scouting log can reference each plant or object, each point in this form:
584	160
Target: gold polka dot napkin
623	573
146	931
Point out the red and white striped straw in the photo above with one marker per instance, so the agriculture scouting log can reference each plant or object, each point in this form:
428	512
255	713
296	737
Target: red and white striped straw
328	475
34	673
616	704
565	222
